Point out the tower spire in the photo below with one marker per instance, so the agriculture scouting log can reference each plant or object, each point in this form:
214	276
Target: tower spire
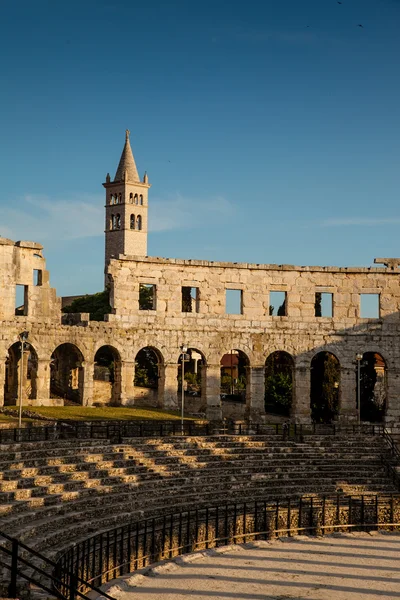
127	168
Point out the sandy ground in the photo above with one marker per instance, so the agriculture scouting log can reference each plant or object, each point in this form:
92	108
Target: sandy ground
339	567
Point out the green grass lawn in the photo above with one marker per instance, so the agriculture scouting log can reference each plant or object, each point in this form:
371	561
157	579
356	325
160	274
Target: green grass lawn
106	413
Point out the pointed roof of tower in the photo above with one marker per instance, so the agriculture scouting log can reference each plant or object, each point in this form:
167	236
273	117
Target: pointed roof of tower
127	167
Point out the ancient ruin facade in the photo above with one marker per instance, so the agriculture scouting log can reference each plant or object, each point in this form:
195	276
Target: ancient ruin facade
242	329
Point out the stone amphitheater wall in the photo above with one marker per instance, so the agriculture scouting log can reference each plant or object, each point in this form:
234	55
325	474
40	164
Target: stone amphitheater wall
210	331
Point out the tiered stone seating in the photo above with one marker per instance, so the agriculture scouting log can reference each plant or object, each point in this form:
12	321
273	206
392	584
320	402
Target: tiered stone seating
54	493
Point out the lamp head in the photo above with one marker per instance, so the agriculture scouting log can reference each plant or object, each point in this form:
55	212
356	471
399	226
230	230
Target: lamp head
359	356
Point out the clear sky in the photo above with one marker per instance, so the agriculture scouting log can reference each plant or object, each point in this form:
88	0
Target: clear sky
269	128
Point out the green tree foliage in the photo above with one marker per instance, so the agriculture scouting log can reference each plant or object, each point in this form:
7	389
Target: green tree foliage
282	309
325	378
97	305
186	299
373	400
278	383
318	304
146	369
146	297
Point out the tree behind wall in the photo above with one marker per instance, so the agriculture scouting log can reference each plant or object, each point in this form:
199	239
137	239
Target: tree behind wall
97	305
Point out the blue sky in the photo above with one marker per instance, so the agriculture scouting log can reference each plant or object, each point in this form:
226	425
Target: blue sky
269	129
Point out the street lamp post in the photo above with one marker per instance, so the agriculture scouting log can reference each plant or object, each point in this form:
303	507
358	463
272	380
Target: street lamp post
23	337
359	358
183	352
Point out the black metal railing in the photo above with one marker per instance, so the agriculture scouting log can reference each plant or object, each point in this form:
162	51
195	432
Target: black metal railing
27	567
115	431
125	549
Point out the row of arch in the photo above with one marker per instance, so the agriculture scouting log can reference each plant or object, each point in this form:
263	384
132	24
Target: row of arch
133	199
67	379
134	222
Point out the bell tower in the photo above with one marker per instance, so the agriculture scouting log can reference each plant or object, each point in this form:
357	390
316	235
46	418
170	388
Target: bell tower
126	208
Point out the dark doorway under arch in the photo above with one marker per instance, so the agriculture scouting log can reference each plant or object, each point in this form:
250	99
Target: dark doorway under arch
279	383
107	376
66	378
373	387
234	375
147	376
12	374
325	384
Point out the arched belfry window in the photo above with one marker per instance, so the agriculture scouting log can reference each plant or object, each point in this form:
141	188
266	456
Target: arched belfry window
119	198
132	221
118	221
111	199
131	198
141	199
139	222
136	198
112	222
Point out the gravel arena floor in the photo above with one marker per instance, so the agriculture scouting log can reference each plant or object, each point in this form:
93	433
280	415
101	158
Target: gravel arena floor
358	566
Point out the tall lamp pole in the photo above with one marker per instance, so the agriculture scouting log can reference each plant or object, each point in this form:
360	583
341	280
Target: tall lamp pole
23	337
359	358
183	352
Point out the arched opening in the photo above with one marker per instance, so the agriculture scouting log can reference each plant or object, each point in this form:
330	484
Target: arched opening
13	374
279	383
117	221
194	368
107	376
141	200
66	375
147	376
325	387
234	373
139	222
111	199
132	221
112	222
135	198
119	198
373	387
131	198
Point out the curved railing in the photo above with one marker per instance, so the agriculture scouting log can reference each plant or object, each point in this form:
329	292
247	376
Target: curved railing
116	431
125	549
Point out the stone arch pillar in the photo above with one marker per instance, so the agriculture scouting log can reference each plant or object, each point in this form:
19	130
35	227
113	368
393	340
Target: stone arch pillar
255	393
86	375
392	416
213	392
167	392
43	381
127	375
301	410
2	379
348	395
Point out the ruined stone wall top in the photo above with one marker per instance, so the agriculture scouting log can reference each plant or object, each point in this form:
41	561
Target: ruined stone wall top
260	266
255	282
22	264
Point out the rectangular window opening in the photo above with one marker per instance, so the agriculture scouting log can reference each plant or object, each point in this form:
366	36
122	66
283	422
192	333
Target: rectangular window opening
323	304
369	306
278	304
147	296
21	300
190	299
234	302
37	277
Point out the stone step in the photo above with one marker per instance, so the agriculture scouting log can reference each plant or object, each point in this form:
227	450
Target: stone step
47	475
84	528
177	486
87	459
